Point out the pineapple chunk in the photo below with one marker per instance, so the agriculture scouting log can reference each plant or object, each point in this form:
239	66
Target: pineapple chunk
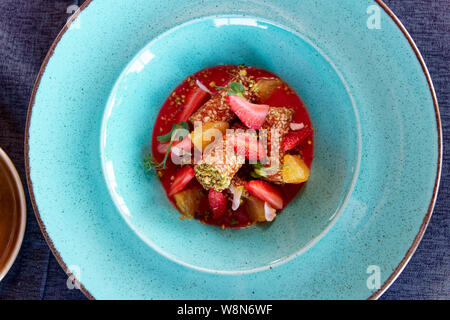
294	169
264	88
188	201
255	209
204	135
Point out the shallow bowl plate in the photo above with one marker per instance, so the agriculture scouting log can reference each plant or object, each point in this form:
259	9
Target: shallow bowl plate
388	201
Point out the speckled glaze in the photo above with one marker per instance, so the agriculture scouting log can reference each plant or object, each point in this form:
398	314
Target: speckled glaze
373	182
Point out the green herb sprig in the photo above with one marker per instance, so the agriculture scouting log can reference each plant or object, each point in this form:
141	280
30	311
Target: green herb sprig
175	134
235	89
168	136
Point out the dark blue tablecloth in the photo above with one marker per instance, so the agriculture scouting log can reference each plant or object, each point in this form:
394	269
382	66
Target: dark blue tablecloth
27	29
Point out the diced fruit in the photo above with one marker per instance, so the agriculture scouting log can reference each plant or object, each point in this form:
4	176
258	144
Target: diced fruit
265	87
252	115
265	192
294	169
247	145
182	178
196	97
204	135
294	138
188	201
255	208
218	203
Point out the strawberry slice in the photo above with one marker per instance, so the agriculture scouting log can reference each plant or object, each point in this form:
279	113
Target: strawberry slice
265	192
196	97
248	146
185	145
178	147
294	138
218	203
252	115
182	178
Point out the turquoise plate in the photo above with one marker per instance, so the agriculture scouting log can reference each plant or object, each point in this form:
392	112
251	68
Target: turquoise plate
347	235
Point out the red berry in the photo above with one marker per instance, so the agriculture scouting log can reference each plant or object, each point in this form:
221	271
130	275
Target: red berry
248	146
182	178
252	115
294	138
194	100
218	203
265	192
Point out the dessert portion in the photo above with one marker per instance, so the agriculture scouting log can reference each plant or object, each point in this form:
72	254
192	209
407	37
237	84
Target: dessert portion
232	146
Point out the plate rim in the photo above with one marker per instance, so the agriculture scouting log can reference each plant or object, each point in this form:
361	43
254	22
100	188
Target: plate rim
392	277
